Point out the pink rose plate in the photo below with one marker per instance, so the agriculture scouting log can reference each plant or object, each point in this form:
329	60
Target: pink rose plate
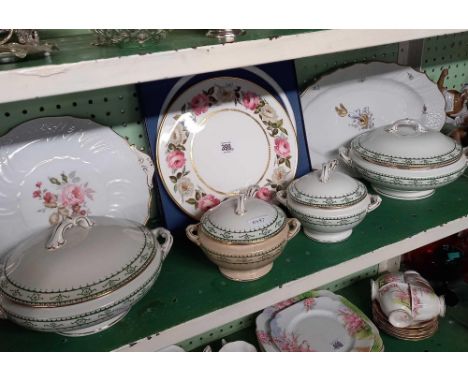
222	135
316	321
57	168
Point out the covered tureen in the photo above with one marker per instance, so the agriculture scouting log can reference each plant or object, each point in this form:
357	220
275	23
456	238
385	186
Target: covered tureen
405	160
243	236
328	203
81	276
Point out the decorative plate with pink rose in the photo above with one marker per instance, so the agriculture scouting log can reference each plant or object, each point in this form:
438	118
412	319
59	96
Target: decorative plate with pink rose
57	168
223	135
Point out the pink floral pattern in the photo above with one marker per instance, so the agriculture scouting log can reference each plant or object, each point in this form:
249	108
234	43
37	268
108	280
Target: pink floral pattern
250	100
289	342
200	104
353	323
263	337
68	198
264	193
309	303
196	195
176	159
206	202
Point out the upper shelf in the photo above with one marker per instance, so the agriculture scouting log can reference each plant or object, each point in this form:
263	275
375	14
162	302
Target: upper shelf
81	66
191	296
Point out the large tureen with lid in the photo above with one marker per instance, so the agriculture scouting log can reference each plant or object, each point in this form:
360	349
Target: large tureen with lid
405	160
328	203
81	276
243	236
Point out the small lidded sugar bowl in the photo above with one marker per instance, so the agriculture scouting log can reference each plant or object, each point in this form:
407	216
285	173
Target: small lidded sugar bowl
328	203
243	235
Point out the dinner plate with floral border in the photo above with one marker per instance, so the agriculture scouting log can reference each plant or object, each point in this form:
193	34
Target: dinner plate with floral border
63	167
353	317
203	154
364	96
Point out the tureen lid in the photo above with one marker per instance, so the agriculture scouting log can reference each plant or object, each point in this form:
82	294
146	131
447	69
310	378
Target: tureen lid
243	220
327	188
79	260
407	144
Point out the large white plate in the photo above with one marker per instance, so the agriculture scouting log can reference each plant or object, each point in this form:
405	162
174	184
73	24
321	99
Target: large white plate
360	97
264	320
55	167
220	136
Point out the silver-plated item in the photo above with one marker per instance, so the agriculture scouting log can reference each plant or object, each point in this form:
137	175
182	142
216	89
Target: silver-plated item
225	35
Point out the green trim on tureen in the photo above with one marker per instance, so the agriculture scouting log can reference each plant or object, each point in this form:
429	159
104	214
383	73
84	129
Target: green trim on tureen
408	181
328	221
82	320
55	298
390	160
336	201
244	236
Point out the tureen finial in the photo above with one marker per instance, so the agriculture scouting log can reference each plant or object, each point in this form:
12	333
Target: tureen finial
327	170
57	240
249	192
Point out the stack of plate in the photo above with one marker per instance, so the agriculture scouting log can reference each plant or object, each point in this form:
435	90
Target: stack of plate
316	321
419	331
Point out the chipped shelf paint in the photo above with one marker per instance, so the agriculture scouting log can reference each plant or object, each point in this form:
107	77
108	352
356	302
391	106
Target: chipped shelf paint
49	80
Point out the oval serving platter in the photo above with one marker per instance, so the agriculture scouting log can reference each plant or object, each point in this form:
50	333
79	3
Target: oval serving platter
361	97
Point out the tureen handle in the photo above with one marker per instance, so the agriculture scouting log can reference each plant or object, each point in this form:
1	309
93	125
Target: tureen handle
294	227
243	195
375	202
407	122
57	240
168	240
327	170
344	154
192	233
146	165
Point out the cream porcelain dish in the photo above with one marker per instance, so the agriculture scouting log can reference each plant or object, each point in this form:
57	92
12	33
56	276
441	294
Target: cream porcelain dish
81	276
405	160
243	236
328	203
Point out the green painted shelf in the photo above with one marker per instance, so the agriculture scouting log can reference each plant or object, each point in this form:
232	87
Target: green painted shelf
190	286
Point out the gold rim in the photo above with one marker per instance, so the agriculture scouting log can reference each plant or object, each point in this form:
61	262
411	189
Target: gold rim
166	115
203	122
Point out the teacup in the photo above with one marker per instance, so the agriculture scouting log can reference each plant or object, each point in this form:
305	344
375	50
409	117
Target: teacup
395	301
425	304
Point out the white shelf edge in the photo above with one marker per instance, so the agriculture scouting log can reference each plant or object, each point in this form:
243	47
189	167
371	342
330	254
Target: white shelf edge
50	80
254	304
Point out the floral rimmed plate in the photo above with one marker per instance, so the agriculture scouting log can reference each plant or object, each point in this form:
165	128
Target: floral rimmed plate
361	97
272	339
64	167
220	136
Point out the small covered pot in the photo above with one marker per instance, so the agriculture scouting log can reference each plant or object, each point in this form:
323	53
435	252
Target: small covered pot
328	203
243	236
405	160
81	276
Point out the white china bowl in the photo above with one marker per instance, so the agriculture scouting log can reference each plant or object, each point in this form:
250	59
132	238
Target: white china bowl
328	207
84	313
